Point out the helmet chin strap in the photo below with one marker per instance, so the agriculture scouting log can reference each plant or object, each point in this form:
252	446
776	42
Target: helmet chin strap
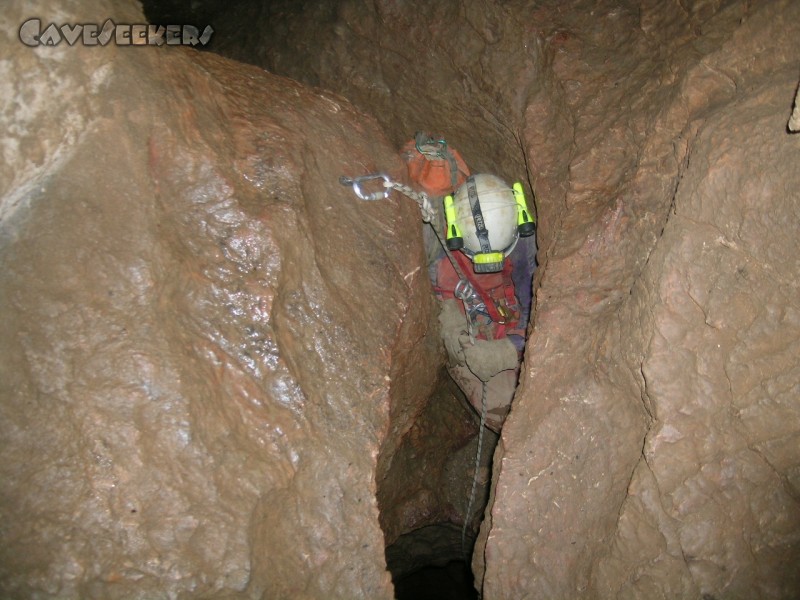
477	216
487	260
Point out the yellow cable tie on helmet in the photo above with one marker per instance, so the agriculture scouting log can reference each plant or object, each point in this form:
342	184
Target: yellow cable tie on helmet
455	240
526	224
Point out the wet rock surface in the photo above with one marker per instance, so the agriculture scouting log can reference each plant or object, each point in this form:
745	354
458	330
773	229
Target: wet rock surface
652	448
207	341
430	476
194	399
424	497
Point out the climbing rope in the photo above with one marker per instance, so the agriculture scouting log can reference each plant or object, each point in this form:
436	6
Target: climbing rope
421	198
464	292
468	515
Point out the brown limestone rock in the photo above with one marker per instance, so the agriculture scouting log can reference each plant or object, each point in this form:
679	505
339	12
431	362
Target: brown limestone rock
632	464
203	333
794	119
426	482
651	451
714	505
48	97
459	68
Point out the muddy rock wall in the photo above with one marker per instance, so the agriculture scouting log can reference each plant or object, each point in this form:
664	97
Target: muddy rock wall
686	498
194	401
462	69
653	447
206	341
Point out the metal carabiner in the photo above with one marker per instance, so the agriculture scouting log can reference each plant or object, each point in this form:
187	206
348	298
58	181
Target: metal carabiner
463	290
466	293
357	181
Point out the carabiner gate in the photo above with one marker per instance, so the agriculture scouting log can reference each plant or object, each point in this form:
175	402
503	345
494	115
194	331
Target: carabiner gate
357	181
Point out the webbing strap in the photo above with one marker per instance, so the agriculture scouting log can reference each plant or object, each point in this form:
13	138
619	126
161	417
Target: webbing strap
508	284
477	215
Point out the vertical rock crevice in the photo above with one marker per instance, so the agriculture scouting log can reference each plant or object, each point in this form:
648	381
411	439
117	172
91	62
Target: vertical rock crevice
611	101
651	450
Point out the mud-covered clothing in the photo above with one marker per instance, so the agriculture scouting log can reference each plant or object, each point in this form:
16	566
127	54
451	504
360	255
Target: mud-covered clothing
502	315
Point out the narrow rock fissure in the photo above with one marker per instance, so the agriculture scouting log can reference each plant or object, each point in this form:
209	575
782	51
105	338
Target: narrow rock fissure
431	531
225	376
423	499
424	492
432	565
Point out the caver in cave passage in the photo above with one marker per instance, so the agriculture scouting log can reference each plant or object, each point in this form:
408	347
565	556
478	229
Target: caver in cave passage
483	277
481	250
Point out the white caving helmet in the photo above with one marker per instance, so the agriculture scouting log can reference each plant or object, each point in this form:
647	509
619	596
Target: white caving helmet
485	219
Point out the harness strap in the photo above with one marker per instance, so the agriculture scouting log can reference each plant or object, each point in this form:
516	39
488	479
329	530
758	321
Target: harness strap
508	284
487	300
477	216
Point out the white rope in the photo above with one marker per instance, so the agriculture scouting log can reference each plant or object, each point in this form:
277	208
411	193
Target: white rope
467	517
420	198
428	215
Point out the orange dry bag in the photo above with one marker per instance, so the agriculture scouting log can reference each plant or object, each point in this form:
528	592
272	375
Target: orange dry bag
433	167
